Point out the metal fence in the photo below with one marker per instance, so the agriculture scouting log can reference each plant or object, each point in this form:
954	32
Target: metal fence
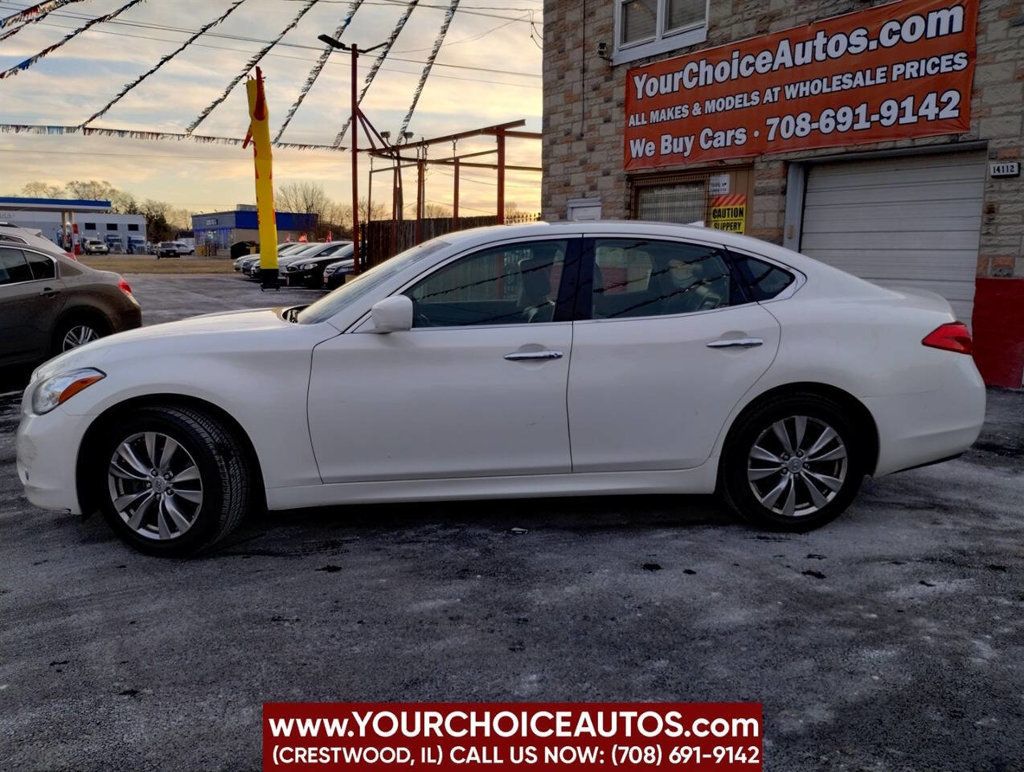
383	239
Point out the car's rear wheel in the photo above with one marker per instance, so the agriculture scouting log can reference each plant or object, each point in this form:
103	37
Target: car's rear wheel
75	332
172	481
793	463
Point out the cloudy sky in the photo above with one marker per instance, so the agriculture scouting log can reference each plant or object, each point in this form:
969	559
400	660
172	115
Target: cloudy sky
487	72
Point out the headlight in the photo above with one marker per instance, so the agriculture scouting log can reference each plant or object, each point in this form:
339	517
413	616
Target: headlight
60	388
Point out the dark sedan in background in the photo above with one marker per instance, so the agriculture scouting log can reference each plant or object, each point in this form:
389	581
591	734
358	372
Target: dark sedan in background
307	268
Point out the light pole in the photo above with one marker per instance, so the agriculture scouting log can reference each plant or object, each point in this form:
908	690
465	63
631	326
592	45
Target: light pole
356	114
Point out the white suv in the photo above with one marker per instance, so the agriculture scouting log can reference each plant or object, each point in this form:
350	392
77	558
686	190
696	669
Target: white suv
173	249
94	247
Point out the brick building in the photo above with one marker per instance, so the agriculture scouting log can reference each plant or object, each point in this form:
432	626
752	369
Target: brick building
904	170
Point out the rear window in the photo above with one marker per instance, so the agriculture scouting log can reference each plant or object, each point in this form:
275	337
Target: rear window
763	281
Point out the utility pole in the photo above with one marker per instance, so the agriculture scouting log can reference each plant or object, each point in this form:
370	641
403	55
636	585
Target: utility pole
356	116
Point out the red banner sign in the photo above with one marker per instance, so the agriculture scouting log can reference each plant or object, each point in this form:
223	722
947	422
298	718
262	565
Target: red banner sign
570	736
892	72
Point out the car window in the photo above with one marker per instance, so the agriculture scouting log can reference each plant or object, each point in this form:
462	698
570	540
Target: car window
510	284
365	283
333	250
13	266
763	280
644	277
42	267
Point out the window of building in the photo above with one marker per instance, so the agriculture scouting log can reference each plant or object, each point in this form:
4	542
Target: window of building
90	226
651	27
681	202
133	227
111	226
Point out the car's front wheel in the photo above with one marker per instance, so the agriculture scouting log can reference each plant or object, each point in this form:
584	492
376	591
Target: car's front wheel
172	481
793	463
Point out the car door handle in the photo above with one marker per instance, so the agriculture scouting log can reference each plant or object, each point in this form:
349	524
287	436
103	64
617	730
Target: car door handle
517	356
736	343
49	292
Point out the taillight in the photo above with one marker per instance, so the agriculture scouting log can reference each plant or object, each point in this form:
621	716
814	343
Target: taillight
124	286
951	337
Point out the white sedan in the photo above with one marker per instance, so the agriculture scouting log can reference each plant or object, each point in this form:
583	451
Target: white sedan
537	360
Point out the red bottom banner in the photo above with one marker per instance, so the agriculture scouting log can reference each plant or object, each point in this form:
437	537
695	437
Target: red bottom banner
462	736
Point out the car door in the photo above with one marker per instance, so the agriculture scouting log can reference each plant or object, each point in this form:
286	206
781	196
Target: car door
29	303
665	346
477	386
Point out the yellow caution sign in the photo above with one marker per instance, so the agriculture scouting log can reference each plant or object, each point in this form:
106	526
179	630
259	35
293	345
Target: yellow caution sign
259	135
729	213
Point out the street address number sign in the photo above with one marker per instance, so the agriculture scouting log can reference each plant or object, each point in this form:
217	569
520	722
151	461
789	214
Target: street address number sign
891	72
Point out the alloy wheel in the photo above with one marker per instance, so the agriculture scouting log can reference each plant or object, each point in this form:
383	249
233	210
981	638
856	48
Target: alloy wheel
155	486
77	336
797	466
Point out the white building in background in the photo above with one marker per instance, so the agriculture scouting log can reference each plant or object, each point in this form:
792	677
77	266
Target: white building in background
95	220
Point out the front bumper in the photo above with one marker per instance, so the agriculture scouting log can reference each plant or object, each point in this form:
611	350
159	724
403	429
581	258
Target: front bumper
47	457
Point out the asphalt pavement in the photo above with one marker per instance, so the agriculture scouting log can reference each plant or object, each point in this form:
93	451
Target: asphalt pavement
892	639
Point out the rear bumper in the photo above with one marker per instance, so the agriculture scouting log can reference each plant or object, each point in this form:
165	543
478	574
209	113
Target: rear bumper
919	429
128	318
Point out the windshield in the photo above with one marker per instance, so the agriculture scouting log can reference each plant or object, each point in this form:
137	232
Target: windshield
331	304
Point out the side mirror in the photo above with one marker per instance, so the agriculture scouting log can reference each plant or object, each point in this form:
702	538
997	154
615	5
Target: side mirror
393	314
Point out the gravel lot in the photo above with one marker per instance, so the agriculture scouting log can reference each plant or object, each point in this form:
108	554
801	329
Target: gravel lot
891	640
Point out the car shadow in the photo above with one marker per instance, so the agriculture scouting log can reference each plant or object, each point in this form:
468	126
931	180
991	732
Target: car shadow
298	531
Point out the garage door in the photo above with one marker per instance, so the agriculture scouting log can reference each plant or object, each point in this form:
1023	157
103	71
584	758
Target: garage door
912	221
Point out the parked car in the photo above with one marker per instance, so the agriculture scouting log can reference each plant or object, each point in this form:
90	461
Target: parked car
336	273
51	303
557	359
307	268
247	264
95	247
173	249
250	267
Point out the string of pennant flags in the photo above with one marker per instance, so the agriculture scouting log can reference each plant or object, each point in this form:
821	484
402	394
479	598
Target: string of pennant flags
31	15
256	59
15	22
88	131
318	67
164	60
378	62
448	16
22	66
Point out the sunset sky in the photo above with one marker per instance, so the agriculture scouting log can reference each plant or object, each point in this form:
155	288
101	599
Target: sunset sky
487	72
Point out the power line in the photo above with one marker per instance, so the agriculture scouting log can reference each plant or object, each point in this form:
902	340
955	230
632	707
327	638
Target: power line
491	70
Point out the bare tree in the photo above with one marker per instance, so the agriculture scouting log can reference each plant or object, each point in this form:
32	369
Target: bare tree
42	190
436	210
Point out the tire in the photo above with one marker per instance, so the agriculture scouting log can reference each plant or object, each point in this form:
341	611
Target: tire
781	486
77	331
214	480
